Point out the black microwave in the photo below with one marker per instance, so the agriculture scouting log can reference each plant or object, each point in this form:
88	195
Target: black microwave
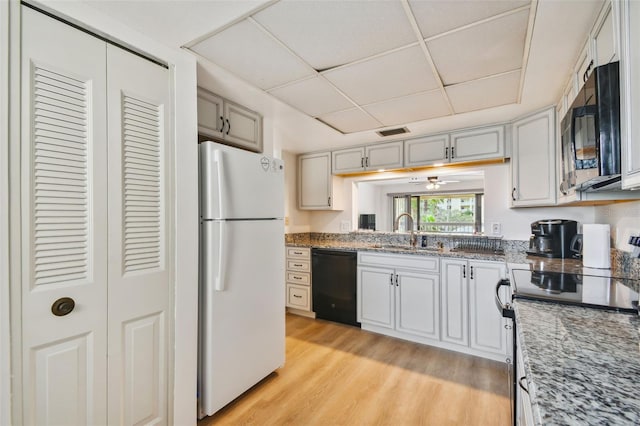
590	134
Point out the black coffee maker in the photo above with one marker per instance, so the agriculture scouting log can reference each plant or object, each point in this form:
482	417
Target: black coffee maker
556	238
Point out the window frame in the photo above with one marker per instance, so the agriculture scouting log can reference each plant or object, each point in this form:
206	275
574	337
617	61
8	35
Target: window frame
478	226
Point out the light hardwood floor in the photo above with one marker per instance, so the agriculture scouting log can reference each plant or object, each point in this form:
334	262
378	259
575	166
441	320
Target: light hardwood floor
340	375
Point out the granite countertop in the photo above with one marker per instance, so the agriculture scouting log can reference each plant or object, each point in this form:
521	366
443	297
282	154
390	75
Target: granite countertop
582	364
399	249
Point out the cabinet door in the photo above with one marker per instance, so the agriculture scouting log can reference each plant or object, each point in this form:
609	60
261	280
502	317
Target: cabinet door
376	288
426	151
477	144
630	93
348	160
298	297
210	114
533	160
64	225
243	127
604	40
314	181
583	67
384	156
417	304
454	295
487	326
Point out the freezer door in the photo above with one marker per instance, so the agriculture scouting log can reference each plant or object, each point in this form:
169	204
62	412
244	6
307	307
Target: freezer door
242	334
237	184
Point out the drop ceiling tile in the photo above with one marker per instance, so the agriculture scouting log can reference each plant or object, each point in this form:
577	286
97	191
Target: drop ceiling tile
313	96
392	75
485	93
351	120
421	106
438	16
245	50
327	34
483	50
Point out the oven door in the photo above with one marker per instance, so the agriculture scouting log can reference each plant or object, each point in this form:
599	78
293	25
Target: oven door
507	311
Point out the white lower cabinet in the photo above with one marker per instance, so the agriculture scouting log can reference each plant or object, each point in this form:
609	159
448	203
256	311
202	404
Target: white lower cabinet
298	284
445	302
399	295
470	321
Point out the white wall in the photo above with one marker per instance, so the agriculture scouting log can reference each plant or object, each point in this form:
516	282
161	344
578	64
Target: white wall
624	219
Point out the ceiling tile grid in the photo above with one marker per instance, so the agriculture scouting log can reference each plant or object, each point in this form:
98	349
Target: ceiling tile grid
366	64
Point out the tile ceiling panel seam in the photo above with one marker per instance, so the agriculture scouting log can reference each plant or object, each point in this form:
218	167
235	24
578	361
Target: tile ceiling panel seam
427	54
291	52
527	47
486	77
476	23
228	25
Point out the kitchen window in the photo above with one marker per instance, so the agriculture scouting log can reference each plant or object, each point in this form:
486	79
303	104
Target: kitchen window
444	213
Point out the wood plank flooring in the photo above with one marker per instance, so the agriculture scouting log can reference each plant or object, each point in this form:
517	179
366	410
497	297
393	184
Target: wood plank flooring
340	375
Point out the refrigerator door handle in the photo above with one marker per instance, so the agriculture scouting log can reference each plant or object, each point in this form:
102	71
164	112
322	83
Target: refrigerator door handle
220	264
218	157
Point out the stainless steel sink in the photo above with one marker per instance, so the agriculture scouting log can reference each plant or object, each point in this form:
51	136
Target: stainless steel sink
405	248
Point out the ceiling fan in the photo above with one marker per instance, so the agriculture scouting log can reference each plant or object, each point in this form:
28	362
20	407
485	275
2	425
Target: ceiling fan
432	182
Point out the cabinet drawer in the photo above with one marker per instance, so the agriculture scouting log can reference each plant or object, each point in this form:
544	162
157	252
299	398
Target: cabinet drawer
298	252
298	297
298	265
302	278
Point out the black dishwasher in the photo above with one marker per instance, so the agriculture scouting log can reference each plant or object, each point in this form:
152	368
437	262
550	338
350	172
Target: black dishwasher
334	274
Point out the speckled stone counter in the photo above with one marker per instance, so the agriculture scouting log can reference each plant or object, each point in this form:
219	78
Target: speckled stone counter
582	365
389	243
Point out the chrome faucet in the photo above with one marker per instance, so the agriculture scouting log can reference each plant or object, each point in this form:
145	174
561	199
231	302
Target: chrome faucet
413	238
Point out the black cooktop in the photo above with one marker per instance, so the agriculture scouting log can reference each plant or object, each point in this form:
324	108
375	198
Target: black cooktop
576	289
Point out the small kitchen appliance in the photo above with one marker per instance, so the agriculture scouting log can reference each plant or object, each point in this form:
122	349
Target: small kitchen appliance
596	245
553	238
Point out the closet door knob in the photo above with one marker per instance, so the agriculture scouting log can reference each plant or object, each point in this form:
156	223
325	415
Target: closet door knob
63	306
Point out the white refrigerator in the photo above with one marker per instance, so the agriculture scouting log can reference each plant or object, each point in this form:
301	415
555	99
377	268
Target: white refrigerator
242	312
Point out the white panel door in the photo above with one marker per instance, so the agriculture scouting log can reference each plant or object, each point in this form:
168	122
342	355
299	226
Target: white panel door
487	330
375	303
477	144
63	224
454	295
140	258
533	160
243	127
417	304
426	151
314	181
347	160
210	114
384	156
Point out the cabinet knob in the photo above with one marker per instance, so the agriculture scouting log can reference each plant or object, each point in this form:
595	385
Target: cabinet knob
228	126
453	152
513	194
446	153
222	127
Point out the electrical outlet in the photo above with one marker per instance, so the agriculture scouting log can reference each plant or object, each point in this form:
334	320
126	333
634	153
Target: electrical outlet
286	221
496	228
345	226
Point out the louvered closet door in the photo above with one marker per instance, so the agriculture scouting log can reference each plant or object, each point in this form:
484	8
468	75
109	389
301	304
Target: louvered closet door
139	254
64	238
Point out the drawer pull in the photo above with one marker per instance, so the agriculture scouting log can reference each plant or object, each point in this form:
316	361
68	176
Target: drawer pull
297	252
297	265
297	278
297	296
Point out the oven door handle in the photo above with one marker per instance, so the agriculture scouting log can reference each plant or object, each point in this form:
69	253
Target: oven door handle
505	310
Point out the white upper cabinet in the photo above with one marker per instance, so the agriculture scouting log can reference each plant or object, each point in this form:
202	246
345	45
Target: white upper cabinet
468	145
604	36
426	151
582	69
533	160
221	119
477	144
366	158
630	93
316	185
